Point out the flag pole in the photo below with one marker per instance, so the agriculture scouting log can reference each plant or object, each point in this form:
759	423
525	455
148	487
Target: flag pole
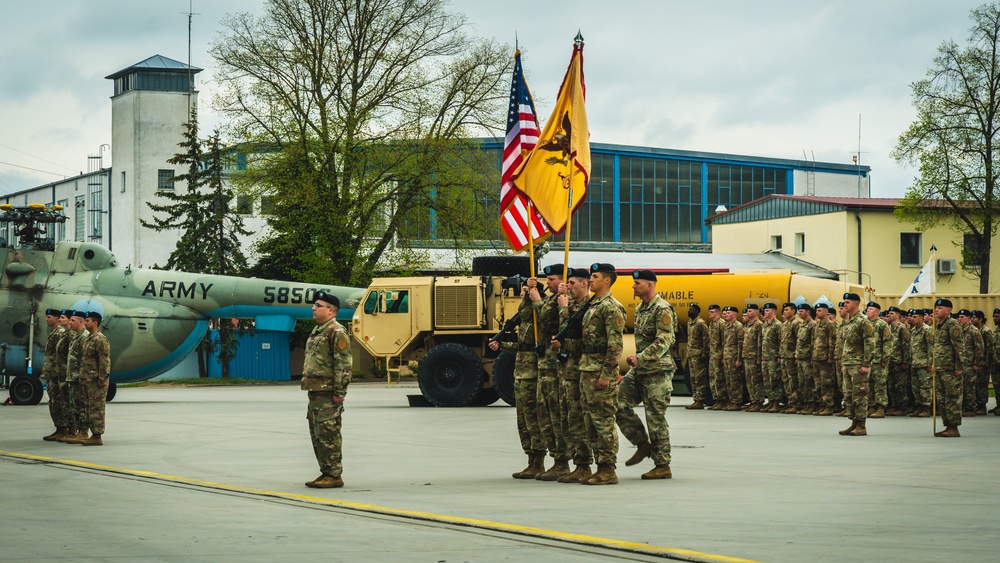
578	40
933	368
531	263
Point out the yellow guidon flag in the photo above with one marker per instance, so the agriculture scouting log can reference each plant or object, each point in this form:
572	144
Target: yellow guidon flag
556	172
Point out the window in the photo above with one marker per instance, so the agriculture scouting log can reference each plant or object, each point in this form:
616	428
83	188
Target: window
79	217
909	249
971	256
266	205
800	243
775	243
164	180
244	205
123	181
61	228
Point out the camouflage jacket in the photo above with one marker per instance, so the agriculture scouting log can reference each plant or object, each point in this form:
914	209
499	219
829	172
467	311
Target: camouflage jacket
654	336
948	344
573	342
328	362
548	325
770	339
96	360
859	341
715	330
838	348
75	354
824	341
603	324
50	369
920	346
789	337
752	341
974	348
883	341
526	360
697	346
987	345
899	351
804	340
732	341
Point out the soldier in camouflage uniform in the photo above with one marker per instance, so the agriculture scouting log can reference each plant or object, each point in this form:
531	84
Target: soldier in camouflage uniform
573	296
770	347
752	358
838	363
808	396
921	345
716	374
52	377
326	373
77	395
62	358
995	374
732	354
972	361
697	354
878	398
948	348
859	350
603	324
95	370
649	381
824	345
986	368
789	373
549	410
898	380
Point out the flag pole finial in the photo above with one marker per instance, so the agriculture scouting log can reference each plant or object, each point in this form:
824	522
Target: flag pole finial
933	248
579	38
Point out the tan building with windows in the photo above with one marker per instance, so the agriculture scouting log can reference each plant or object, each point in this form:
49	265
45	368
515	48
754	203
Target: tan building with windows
860	238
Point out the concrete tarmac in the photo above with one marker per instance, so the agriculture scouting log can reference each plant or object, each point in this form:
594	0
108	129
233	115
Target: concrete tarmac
217	473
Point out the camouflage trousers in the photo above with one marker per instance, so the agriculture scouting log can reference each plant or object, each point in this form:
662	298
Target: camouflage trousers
920	385
898	383
699	378
825	380
734	381
717	380
771	374
983	386
971	379
878	395
807	393
838	378
856	392
949	396
324	428
95	395
550	414
755	380
790	381
653	391
526	405
57	402
574	429
599	409
76	405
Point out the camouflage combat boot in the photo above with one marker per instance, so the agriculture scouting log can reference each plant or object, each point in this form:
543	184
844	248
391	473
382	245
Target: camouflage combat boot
60	432
70	433
718	406
733	407
326	482
658	472
827	411
94	440
560	469
754	407
536	465
847	432
859	430
581	473
696	405
948	432
981	410
642	451
789	410
879	412
605	476
78	439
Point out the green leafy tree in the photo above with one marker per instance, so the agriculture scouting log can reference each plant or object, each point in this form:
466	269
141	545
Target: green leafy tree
356	115
209	226
954	142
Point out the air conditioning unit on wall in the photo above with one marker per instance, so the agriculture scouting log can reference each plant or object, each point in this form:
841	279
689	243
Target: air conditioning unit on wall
946	266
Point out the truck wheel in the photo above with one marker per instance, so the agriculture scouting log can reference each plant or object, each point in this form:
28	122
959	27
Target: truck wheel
501	266
486	397
112	391
26	390
450	375
503	376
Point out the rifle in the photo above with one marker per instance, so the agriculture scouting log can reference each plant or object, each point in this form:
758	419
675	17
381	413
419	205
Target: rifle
508	327
574	324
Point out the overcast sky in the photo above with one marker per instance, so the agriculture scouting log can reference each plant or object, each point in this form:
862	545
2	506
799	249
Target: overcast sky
764	78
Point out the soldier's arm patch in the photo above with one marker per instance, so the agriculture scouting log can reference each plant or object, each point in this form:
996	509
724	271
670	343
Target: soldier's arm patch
619	321
666	321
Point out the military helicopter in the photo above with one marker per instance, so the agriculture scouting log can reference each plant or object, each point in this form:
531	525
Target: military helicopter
152	318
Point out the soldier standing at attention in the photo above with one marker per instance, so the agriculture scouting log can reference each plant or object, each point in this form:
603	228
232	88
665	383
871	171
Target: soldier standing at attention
77	394
838	362
770	347
898	380
949	347
650	381
95	370
920	363
603	324
697	353
824	345
859	349
986	367
789	374
716	373
732	353
51	376
549	411
752	358
878	398
972	360
326	373
808	399
573	296
62	358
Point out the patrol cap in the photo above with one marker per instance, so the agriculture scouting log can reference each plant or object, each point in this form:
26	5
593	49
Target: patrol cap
713	307
52	312
581	273
328	298
852	297
67	312
553	270
915	312
730	308
943	303
695	306
81	314
873	305
805	306
753	306
95	315
788	304
928	311
823	306
964	313
647	275
602	267
894	309
770	305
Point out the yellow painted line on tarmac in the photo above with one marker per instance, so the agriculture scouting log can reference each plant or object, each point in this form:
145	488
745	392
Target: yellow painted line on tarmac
416	514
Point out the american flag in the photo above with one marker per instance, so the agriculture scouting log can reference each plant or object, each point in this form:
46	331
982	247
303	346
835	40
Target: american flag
522	136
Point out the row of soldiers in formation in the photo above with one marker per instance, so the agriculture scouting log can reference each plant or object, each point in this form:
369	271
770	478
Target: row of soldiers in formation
806	362
76	373
568	392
